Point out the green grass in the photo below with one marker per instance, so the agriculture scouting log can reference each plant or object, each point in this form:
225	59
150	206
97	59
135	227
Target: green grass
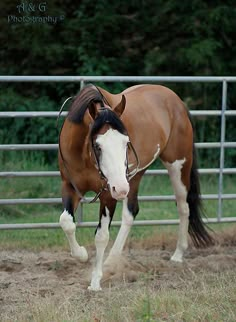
50	187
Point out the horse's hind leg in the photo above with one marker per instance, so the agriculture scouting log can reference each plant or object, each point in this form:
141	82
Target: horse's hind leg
67	221
179	172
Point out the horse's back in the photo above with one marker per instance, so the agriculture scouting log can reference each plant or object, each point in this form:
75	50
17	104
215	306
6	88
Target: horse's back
158	97
156	119
148	99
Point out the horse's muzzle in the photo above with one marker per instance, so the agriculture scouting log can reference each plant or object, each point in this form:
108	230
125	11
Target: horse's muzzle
119	193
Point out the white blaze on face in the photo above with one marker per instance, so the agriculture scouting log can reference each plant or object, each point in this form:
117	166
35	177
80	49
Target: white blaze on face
112	161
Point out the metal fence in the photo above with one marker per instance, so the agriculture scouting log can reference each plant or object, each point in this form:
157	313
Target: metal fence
222	145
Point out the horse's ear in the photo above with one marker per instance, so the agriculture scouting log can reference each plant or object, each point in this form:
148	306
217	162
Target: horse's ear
93	110
119	109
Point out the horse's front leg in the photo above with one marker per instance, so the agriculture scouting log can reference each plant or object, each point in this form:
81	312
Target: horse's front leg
129	211
117	248
101	241
67	222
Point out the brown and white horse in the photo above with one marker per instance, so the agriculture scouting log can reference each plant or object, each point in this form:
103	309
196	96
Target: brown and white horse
107	143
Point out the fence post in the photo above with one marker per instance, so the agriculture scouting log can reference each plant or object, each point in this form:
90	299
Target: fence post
80	207
222	151
81	83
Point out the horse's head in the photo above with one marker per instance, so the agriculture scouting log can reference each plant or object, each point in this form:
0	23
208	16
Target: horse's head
109	144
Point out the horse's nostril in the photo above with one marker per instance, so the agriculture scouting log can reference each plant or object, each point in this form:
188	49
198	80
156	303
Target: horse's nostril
119	192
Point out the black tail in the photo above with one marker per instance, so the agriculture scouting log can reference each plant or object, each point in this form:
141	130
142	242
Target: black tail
197	229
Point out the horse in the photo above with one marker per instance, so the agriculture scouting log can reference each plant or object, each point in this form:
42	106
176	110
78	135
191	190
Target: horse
106	144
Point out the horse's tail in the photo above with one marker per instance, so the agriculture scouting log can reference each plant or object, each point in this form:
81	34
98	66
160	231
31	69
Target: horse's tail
197	228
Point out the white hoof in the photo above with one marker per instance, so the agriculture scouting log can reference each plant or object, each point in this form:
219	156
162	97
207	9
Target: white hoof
81	253
94	289
178	256
177	260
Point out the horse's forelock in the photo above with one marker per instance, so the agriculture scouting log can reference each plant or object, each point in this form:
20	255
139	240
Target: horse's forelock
107	116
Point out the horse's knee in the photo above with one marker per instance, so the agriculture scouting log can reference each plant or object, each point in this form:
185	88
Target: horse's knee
102	232
102	236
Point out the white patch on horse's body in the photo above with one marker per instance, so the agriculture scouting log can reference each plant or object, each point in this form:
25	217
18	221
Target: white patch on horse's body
126	224
113	147
101	241
174	170
69	227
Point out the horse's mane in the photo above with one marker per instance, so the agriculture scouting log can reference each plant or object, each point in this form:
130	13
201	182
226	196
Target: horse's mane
88	94
81	102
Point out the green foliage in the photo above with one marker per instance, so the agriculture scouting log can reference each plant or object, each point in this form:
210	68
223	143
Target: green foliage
116	38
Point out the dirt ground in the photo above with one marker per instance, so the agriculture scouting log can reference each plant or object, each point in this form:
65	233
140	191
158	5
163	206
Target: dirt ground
24	274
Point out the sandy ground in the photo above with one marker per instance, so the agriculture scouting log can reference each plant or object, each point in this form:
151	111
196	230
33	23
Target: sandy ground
24	275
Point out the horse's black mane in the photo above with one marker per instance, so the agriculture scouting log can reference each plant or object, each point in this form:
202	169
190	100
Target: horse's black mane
81	102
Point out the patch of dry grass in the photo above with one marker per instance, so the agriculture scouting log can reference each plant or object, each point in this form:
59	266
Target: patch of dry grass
203	297
145	286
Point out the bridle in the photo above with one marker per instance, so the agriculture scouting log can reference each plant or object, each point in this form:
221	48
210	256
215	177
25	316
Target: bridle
129	175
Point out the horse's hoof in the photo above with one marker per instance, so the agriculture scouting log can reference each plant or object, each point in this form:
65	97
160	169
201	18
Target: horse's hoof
176	259
94	289
80	253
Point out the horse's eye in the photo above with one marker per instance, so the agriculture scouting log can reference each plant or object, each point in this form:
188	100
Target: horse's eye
97	147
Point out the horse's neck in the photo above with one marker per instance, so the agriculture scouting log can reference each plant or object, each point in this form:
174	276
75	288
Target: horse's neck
112	99
77	141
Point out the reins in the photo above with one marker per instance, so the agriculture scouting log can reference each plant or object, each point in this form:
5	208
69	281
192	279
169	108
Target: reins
61	109
132	173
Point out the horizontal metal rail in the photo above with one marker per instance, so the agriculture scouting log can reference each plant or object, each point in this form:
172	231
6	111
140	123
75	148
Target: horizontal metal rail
201	171
90	224
25	147
41	147
223	113
20	174
169	79
35	114
140	198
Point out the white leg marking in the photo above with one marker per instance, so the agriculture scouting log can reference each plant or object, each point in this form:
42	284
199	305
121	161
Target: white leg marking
69	227
180	191
126	224
101	241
